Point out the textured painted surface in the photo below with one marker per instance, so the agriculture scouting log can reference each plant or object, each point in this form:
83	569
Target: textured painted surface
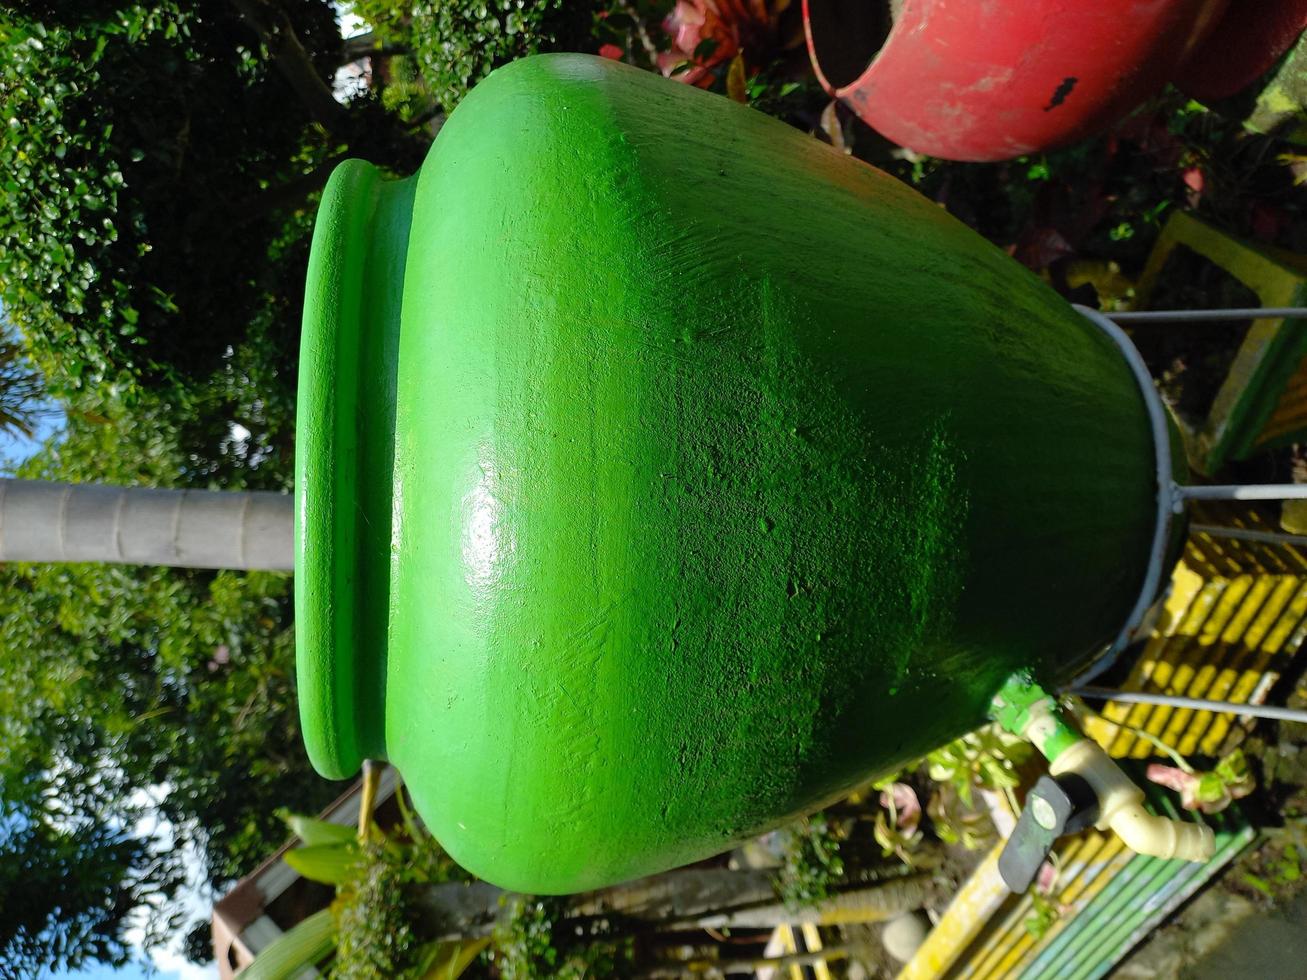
994	80
727	473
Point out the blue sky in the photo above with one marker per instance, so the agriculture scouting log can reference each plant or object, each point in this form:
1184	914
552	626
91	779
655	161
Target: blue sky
15	448
140	971
129	972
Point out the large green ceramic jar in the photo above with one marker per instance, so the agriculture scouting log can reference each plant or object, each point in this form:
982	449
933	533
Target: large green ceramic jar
664	473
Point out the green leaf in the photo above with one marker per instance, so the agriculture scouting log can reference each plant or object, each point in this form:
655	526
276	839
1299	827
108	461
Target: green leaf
1290	868
326	863
313	831
705	49
450	960
1234	767
1210	789
295	950
1259	883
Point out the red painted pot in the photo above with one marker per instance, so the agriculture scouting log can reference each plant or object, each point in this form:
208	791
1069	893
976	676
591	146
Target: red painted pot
970	80
1242	47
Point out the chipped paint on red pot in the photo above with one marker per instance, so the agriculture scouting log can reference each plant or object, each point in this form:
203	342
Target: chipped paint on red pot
968	80
1242	47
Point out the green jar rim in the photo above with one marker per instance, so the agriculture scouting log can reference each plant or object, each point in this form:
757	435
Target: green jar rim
327	473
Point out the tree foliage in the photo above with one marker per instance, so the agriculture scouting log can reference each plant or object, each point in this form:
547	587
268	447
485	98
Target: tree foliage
150	156
456	44
128	689
87	881
159	165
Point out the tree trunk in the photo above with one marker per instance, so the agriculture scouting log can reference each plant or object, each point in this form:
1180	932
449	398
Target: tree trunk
274	28
56	522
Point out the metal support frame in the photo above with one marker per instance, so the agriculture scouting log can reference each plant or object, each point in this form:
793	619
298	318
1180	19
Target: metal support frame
1171	496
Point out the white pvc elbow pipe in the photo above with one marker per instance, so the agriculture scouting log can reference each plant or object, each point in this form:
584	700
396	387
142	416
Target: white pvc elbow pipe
1147	833
1121	810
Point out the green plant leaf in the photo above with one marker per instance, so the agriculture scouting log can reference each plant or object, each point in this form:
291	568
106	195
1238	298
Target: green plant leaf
313	831
295	950
450	960
326	863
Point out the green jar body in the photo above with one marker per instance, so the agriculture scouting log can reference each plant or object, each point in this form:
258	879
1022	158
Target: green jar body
665	474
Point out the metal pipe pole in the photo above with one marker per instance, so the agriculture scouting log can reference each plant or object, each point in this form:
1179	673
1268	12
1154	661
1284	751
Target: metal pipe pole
1198	704
1250	534
1201	316
1252	491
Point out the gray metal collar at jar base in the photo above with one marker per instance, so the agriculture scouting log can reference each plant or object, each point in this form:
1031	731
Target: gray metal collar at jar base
1169	503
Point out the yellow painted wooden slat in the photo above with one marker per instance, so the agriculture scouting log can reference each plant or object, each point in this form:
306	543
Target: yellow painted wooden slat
1184	725
1188	620
963	922
1278	638
784	934
812	939
1283	589
1247	606
1248	666
1186	585
1174	670
1296	637
1086	858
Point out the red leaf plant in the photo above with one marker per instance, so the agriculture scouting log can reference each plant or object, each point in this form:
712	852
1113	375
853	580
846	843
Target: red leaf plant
708	33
